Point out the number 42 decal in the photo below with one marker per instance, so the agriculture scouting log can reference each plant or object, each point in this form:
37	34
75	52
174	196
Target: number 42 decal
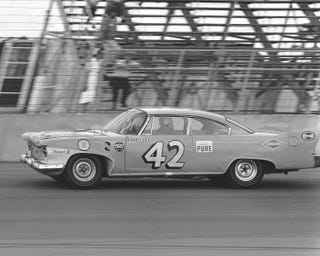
154	155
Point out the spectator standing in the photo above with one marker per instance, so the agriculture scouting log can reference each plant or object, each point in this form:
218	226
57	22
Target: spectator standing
2	43
120	80
93	70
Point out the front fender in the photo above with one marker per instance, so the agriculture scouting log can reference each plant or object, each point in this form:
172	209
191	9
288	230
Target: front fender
107	162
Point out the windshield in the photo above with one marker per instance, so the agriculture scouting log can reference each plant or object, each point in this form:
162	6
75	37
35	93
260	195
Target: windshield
248	130
129	122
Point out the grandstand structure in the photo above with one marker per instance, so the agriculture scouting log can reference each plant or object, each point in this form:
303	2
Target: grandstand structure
221	55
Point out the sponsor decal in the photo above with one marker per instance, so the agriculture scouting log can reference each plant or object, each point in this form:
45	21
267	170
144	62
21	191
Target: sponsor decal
60	151
274	143
83	144
107	146
119	146
139	140
204	146
308	135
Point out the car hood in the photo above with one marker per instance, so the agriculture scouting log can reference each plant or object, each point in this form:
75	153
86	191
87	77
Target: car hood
40	137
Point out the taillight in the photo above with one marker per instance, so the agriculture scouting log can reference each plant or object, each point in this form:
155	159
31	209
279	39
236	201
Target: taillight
308	135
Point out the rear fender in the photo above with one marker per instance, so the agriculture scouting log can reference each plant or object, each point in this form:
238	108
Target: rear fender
308	138
266	163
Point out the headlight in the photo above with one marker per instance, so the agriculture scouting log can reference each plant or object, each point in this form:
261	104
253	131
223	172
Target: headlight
29	147
83	144
308	135
44	151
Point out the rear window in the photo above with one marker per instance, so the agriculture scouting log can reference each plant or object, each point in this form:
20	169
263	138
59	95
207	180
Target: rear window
208	127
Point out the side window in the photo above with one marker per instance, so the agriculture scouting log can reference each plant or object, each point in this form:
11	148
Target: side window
208	127
134	124
169	125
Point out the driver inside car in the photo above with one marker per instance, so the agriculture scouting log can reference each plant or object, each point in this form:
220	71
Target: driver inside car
166	126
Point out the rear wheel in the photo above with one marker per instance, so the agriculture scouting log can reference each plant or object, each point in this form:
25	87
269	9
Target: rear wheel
83	171
245	173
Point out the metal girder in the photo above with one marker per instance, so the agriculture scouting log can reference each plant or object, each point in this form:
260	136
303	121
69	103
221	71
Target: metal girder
196	33
309	12
190	20
130	23
314	19
225	29
172	6
67	29
260	34
171	11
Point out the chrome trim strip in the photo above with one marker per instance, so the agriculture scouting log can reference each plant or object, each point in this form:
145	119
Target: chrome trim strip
145	124
152	124
163	174
189	126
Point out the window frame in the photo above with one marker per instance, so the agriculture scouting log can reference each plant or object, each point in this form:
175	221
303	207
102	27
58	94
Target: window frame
141	133
152	117
210	120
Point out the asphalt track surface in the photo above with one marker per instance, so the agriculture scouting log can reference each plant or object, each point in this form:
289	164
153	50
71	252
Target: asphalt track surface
156	217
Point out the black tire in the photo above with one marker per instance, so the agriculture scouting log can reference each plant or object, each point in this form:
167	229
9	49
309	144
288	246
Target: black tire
83	171
59	178
245	173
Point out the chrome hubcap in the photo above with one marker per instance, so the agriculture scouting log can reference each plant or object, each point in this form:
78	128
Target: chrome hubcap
84	170
246	170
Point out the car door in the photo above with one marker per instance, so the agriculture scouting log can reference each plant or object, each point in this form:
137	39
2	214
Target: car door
161	148
211	142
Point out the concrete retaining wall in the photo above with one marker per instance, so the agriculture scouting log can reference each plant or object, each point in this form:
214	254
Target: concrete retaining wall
13	125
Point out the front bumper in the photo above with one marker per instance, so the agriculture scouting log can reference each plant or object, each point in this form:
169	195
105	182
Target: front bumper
45	168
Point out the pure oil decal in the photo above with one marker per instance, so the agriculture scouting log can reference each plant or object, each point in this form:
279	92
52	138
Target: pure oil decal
204	146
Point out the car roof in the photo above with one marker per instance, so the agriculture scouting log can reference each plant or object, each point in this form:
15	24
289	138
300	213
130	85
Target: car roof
183	112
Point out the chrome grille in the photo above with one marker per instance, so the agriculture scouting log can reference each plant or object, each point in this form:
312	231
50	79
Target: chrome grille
36	152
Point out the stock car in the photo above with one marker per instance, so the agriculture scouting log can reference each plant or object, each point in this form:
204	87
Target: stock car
170	142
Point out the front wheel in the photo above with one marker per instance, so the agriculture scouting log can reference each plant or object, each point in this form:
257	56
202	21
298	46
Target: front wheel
245	173
83	171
